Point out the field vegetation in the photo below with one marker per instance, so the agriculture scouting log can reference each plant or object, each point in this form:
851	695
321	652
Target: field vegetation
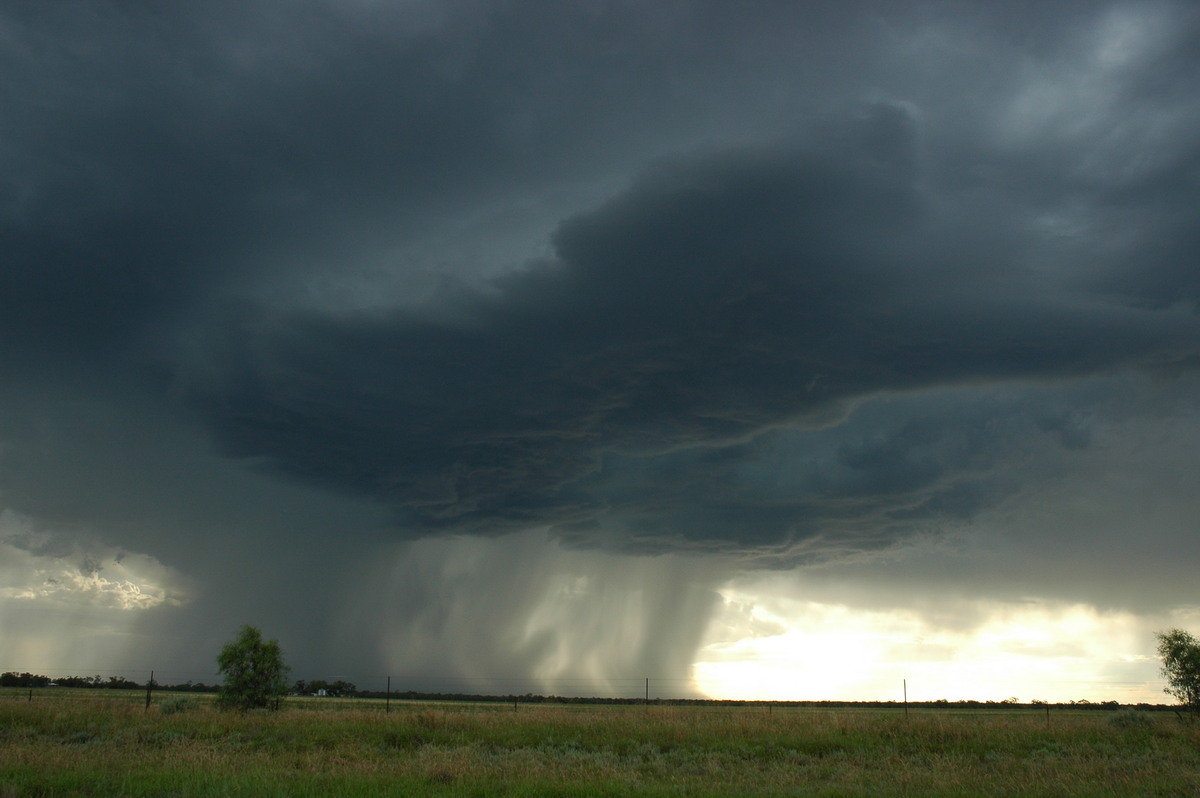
59	742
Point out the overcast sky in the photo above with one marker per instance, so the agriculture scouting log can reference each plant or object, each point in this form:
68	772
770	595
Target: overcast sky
551	346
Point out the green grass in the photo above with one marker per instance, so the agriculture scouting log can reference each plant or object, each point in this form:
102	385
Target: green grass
68	744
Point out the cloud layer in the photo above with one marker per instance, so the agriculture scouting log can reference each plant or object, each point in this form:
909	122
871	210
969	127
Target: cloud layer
286	290
719	299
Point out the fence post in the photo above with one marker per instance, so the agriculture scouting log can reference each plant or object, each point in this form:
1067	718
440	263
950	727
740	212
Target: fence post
387	704
149	687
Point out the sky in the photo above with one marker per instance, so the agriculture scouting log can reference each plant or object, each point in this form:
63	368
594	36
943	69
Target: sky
817	350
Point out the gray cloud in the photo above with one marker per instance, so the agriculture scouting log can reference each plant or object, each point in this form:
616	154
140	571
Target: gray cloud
787	283
720	298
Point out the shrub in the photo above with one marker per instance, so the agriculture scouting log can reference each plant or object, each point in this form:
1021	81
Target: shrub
1131	720
178	704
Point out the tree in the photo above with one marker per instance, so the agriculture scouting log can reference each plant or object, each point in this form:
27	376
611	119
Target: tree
1180	654
254	671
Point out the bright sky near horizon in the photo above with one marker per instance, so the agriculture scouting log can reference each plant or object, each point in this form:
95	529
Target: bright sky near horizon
771	350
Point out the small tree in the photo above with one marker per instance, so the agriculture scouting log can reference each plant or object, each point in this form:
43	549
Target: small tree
1180	654
254	671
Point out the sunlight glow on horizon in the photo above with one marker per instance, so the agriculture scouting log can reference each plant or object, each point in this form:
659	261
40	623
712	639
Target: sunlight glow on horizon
786	649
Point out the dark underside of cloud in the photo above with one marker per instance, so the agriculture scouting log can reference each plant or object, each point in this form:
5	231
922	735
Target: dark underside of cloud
861	269
625	390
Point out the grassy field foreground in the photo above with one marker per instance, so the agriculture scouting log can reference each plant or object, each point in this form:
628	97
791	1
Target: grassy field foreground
108	747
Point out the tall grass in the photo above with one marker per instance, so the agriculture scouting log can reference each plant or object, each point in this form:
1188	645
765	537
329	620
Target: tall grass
104	747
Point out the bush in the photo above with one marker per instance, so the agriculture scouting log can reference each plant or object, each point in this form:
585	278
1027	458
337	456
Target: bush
1131	720
178	704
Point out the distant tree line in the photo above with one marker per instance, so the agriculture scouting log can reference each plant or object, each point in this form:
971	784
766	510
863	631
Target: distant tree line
14	679
338	689
343	689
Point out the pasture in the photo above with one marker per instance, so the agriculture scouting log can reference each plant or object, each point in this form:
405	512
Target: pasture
107	743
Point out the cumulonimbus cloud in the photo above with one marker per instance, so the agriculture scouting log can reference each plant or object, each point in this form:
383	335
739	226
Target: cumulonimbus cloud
720	298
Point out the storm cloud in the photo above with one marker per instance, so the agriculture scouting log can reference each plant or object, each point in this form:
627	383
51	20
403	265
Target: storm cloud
719	299
590	287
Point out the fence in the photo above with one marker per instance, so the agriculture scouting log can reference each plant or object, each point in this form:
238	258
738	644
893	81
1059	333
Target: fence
502	689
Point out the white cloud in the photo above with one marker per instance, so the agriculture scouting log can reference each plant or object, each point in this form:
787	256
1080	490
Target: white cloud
74	586
54	569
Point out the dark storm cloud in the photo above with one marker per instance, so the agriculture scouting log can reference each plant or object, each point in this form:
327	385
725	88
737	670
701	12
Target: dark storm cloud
394	251
719	298
153	154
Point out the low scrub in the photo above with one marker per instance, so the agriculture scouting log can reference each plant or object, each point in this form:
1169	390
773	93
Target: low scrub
178	704
90	748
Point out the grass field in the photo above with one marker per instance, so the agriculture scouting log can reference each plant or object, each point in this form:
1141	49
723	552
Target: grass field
106	743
